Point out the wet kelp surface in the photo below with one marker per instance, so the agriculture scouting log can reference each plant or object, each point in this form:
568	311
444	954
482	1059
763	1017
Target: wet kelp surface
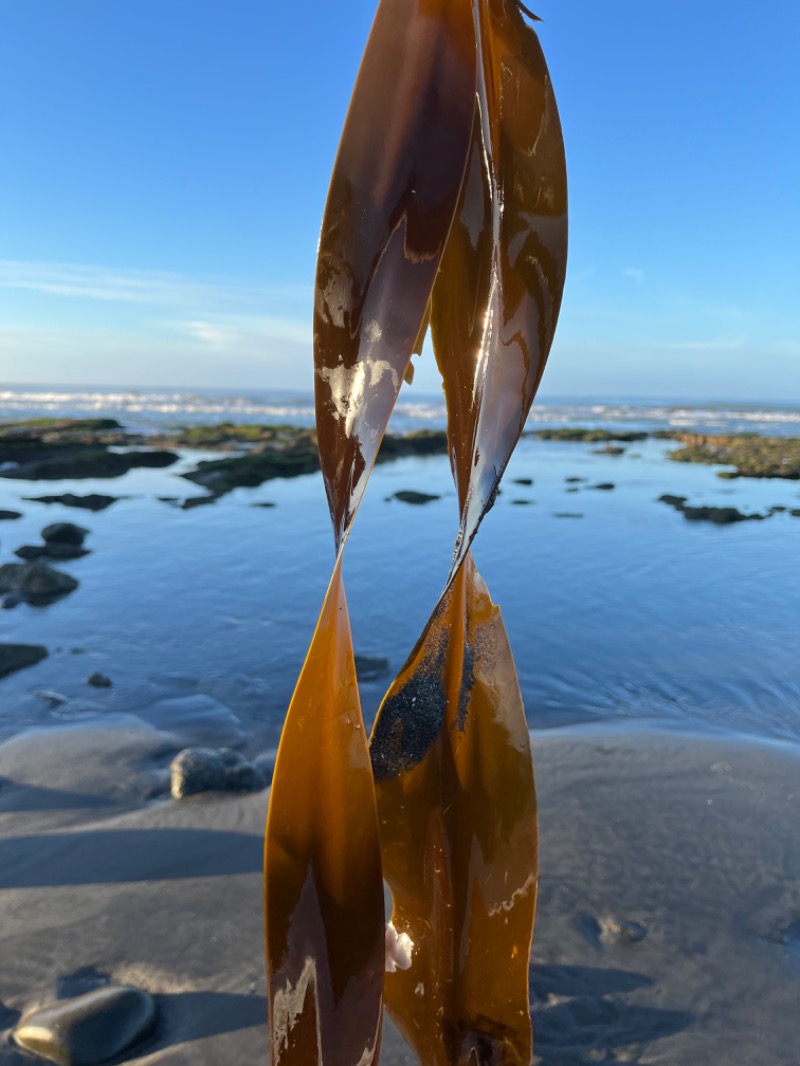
447	208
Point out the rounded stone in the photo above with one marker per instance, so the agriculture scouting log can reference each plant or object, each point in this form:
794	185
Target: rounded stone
37	584
89	1029
196	770
64	533
98	680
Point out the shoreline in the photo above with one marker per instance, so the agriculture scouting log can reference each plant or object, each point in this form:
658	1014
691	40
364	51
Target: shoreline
669	896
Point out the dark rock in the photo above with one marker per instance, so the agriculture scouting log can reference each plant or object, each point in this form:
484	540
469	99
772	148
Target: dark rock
98	680
37	584
410	496
9	516
13	599
249	471
721	516
89	1029
610	449
264	503
523	481
198	501
778	510
197	770
795	512
590	435
573	488
420	442
284	452
89	462
51	551
604	486
372	667
64	533
567	514
574	480
92	502
17	656
521	503
56	428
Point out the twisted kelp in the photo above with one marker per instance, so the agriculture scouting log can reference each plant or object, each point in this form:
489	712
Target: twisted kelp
448	205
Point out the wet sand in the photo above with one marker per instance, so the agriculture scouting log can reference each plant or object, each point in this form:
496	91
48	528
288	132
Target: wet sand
668	929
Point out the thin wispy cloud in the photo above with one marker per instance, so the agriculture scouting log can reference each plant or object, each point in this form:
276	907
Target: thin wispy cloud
154	288
635	274
226	331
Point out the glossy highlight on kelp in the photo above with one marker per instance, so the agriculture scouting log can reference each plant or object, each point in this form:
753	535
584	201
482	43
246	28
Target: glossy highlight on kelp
447	207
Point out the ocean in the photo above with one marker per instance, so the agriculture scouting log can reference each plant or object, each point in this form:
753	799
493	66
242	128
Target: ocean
617	607
153	410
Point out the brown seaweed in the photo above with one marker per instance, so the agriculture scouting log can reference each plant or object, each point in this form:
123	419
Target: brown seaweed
463	784
390	207
448	205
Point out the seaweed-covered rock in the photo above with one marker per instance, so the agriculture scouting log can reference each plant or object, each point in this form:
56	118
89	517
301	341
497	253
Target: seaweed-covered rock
576	433
15	657
35	583
750	454
420	442
89	1029
197	770
9	516
609	449
249	471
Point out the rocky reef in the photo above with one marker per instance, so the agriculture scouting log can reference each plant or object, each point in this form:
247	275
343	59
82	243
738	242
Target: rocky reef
750	454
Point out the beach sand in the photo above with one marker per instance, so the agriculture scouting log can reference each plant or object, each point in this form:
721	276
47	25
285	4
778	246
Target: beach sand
668	930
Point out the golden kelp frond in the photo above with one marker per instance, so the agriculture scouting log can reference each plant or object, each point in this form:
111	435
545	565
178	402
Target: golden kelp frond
456	802
324	891
450	747
498	293
393	193
448	202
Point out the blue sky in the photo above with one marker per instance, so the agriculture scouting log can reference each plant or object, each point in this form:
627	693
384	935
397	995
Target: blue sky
164	166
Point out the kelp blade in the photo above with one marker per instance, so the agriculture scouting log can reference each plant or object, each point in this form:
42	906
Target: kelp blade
324	891
497	297
457	808
393	193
